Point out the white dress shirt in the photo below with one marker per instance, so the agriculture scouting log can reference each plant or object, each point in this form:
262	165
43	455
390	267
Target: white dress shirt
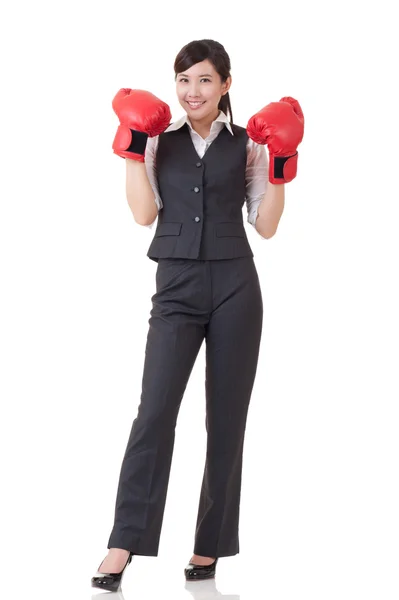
256	173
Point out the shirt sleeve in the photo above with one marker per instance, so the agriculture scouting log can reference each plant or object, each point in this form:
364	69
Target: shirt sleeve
256	178
150	163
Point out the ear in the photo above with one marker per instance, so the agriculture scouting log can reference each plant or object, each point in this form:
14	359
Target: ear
226	85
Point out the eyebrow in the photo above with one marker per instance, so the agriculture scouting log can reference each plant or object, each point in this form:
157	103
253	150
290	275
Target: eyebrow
203	75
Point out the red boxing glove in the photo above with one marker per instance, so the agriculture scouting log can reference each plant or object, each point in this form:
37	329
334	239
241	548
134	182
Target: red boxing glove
141	115
280	125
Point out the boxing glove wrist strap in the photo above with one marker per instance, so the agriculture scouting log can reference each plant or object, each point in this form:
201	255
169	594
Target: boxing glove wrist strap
282	168
138	143
129	143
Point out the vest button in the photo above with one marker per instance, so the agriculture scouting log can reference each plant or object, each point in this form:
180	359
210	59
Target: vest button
198	164
196	189
197	219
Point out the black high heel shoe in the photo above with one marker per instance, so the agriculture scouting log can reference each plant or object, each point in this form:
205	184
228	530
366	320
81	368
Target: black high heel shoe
195	572
110	581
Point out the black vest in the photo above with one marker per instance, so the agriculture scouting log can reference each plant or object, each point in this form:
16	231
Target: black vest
201	217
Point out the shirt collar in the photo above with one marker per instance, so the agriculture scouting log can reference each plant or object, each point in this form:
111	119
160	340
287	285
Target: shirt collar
221	118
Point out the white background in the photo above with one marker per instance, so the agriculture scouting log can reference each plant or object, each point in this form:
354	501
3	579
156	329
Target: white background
320	495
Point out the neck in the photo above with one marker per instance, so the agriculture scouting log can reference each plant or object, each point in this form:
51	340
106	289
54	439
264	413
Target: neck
203	126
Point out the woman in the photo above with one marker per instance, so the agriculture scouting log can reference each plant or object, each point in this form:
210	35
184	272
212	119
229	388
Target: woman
195	175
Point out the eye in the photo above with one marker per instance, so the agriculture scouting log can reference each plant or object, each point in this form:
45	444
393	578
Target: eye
185	79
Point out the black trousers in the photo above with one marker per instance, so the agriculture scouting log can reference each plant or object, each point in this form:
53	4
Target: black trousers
219	301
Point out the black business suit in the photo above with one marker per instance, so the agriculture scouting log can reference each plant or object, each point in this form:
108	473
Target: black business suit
207	287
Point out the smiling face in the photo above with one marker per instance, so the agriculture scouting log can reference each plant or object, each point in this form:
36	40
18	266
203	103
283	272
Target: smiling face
199	90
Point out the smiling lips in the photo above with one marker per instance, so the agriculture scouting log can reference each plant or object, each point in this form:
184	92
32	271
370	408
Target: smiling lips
195	105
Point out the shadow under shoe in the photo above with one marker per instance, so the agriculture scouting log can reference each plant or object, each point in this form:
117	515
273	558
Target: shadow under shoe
110	581
195	572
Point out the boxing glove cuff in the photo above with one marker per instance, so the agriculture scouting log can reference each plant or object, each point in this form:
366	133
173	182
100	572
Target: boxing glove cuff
283	168
129	143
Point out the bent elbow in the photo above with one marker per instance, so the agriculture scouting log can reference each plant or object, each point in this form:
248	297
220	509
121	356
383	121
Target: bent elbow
144	222
266	234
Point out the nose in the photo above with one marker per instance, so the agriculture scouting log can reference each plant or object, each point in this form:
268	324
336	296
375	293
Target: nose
193	91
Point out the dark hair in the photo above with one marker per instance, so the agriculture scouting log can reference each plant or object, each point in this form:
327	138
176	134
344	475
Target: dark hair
200	50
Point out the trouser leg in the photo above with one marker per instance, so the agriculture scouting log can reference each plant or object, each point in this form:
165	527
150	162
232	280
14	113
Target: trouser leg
232	347
175	335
